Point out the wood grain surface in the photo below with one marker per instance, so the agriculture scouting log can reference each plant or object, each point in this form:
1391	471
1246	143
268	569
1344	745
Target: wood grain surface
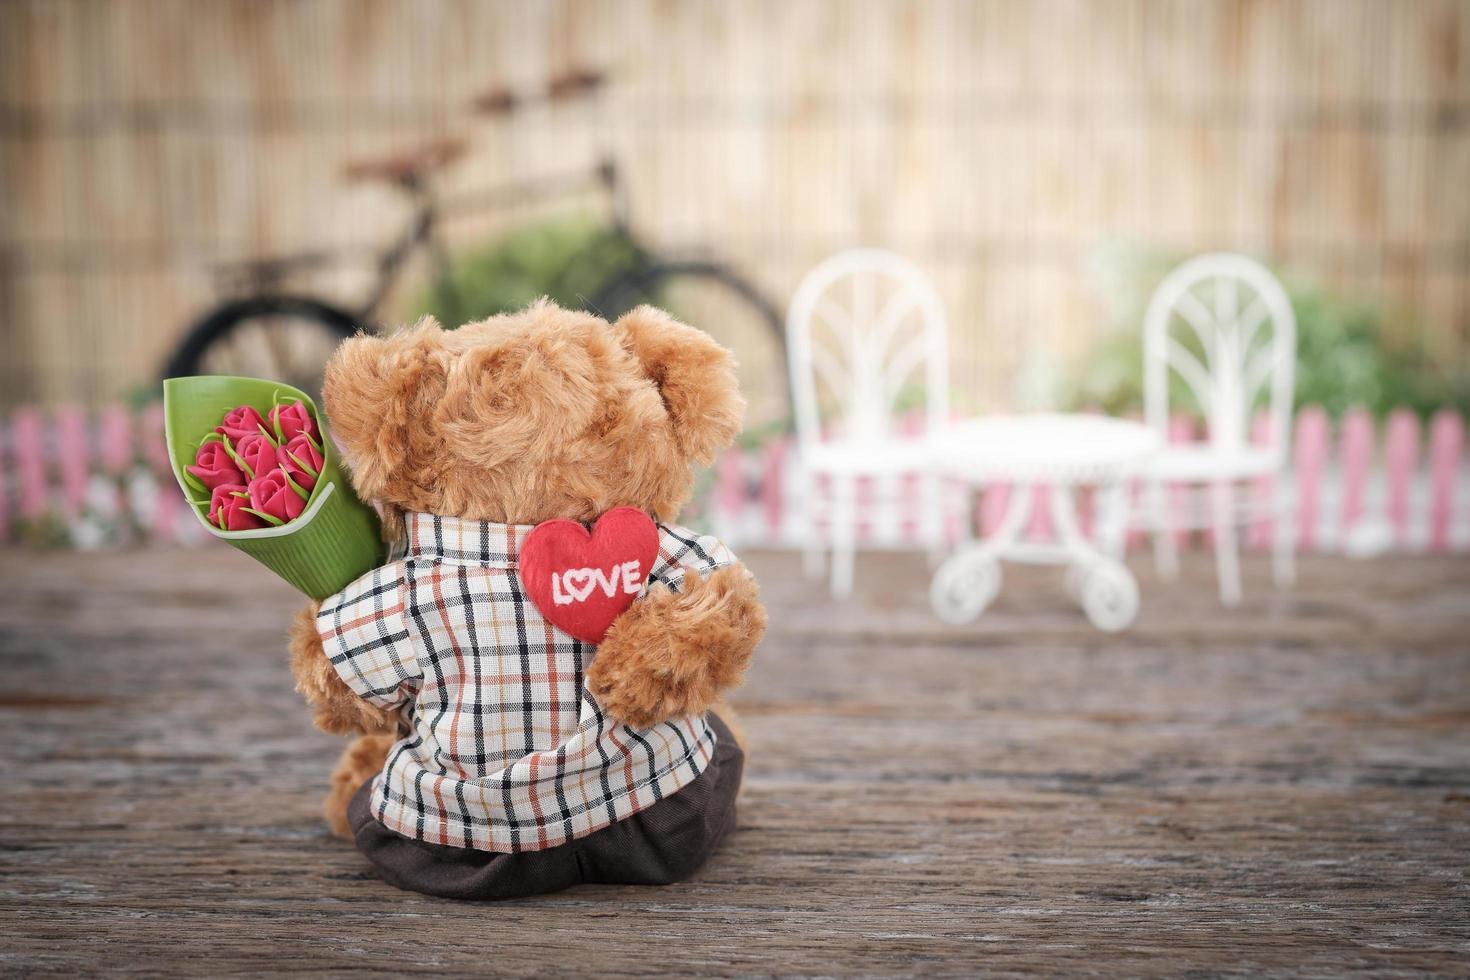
1283	789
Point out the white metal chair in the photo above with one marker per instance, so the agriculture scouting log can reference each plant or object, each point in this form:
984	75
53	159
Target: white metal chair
1223	325
861	325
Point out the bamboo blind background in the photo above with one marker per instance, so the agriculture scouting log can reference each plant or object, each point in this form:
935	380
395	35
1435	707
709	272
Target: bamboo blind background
1001	145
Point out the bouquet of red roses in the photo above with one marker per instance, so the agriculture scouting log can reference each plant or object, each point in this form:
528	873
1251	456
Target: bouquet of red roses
253	458
257	472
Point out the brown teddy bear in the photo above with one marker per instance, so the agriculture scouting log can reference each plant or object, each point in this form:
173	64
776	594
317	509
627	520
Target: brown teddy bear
498	753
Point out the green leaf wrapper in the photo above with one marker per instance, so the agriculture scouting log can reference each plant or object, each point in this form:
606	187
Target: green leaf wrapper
334	541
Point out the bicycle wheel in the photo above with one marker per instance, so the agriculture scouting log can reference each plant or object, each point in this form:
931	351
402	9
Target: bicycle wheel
282	338
716	300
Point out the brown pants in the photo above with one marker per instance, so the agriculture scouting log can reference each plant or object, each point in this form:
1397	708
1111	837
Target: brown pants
659	845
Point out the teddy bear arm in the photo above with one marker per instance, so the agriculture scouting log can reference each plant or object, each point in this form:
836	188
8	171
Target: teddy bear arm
673	654
336	707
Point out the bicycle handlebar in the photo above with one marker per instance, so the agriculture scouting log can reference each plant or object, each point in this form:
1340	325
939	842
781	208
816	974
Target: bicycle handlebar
568	85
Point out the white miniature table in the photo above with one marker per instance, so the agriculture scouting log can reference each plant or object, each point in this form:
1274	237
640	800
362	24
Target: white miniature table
1061	452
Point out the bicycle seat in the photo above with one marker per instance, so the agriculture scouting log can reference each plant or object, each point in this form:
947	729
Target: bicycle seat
408	166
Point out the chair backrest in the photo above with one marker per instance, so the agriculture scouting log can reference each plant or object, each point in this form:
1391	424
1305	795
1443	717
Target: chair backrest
861	324
1223	325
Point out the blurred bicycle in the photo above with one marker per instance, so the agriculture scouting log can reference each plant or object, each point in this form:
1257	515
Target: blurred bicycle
266	331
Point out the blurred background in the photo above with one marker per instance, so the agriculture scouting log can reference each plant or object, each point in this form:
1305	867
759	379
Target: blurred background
1035	159
1043	163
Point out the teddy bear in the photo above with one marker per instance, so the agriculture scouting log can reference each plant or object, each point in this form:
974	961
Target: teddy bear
516	737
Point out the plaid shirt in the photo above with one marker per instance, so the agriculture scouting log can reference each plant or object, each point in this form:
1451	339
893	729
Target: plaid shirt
507	749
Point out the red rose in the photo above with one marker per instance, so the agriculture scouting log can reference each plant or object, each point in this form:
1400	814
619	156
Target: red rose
213	467
258	452
289	421
301	460
270	493
240	422
228	508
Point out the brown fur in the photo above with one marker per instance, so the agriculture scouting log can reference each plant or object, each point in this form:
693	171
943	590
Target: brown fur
672	654
360	762
336	708
534	415
542	414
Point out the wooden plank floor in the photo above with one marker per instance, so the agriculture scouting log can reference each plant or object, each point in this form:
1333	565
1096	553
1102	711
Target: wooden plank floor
1284	788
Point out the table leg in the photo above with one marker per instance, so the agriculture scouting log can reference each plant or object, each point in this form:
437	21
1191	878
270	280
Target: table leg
969	580
1112	517
1105	587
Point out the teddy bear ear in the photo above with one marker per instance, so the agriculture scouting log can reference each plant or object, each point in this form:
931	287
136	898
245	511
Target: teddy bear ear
694	375
374	389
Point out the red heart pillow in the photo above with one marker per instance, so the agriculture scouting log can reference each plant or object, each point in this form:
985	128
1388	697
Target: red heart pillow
582	581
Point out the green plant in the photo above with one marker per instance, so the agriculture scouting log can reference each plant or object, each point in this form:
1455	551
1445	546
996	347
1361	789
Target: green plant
567	259
1349	353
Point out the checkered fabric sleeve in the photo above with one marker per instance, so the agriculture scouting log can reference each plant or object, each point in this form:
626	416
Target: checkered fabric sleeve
680	550
365	635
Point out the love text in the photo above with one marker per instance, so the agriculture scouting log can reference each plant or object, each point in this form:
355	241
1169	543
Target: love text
576	584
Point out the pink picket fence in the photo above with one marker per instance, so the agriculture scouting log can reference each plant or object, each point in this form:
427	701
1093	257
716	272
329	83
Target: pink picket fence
69	478
73	478
1355	487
